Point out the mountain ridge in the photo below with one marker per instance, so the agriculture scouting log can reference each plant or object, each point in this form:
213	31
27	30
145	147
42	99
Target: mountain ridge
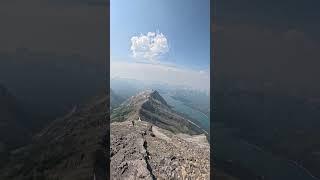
151	141
149	105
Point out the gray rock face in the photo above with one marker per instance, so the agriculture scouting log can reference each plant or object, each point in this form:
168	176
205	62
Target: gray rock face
140	150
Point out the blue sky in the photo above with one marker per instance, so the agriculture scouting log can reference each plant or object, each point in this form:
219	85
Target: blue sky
181	26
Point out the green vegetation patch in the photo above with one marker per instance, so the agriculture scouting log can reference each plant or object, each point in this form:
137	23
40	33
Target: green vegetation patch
120	114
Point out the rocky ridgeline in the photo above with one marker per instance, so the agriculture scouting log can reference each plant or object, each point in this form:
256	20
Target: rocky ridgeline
151	107
142	150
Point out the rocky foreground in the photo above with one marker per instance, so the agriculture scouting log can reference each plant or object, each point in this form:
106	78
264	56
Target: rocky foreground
140	150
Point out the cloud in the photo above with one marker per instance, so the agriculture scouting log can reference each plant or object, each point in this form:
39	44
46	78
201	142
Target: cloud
150	46
161	73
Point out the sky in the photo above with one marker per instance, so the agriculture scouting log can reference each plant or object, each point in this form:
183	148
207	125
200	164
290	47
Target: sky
167	41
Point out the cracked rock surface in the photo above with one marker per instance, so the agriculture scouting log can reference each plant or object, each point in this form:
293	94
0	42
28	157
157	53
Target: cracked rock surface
140	150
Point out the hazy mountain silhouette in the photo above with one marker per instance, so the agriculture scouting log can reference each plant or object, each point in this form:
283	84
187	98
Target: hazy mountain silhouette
70	147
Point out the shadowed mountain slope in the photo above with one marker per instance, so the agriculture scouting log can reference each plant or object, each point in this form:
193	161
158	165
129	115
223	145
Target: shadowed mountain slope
71	147
13	130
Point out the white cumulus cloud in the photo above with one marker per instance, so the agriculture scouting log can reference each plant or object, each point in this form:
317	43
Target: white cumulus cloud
149	46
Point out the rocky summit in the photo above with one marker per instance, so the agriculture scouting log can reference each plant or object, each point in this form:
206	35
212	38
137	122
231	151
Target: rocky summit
147	142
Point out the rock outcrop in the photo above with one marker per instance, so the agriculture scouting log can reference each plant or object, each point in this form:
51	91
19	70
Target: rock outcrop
141	150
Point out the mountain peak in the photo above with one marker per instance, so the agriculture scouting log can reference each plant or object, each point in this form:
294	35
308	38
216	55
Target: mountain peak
155	95
147	92
145	96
